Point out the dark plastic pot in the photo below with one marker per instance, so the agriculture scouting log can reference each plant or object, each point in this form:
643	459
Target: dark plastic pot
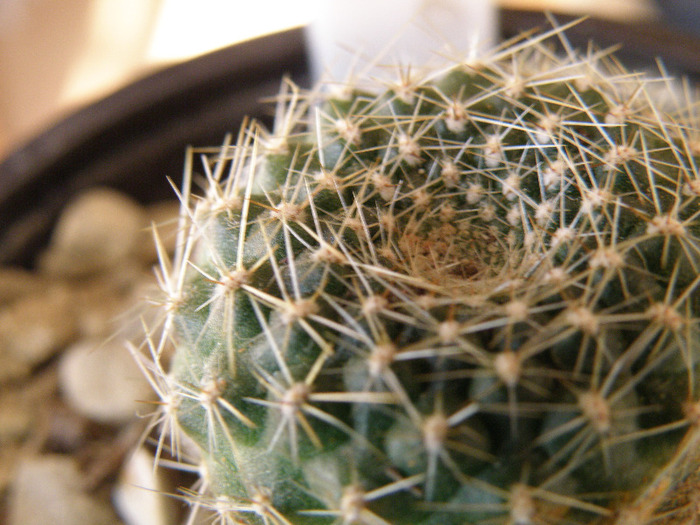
636	44
683	14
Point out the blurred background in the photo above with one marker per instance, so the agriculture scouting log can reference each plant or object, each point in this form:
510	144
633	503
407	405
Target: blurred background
105	93
59	55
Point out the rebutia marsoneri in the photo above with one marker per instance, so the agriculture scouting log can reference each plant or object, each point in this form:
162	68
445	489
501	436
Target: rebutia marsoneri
470	296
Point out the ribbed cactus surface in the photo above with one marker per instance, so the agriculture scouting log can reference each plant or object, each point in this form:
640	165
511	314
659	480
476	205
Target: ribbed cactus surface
469	296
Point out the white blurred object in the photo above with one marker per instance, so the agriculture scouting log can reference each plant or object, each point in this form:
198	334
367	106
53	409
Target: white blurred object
363	35
184	30
139	495
116	41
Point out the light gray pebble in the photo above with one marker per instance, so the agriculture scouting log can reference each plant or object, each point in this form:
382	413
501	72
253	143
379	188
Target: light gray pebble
97	232
32	329
16	283
101	381
105	303
16	417
48	490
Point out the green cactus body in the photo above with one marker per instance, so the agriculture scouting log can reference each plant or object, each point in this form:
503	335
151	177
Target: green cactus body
471	297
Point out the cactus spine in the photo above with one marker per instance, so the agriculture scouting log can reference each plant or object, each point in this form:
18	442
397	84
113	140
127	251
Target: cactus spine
469	297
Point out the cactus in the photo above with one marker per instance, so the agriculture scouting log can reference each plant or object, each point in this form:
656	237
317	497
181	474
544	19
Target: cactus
470	296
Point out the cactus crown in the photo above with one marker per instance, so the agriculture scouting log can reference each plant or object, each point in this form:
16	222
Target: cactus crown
471	296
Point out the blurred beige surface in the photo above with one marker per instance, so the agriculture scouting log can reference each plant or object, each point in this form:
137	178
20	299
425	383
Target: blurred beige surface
56	55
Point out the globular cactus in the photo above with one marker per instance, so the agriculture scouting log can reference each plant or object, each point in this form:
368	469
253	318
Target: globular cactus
471	296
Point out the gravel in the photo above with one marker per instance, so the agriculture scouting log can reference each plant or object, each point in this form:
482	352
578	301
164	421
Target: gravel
71	394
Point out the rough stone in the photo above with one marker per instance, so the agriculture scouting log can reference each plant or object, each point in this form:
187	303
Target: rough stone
16	283
32	329
103	304
48	489
96	233
101	381
16	416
